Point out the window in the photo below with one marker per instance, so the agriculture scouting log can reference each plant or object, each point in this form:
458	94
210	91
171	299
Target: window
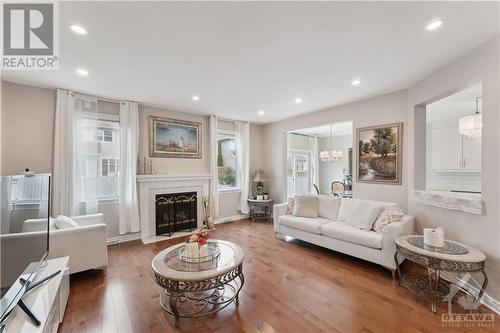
227	160
99	151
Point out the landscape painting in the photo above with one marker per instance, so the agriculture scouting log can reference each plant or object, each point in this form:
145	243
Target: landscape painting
379	154
174	138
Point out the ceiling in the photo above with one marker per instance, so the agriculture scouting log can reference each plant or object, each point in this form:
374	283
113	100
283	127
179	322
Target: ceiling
456	105
242	57
339	128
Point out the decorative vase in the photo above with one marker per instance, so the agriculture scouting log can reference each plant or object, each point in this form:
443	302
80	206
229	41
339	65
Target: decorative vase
210	223
266	197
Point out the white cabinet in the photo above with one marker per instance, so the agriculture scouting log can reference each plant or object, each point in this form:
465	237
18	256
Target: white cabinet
452	151
446	149
471	153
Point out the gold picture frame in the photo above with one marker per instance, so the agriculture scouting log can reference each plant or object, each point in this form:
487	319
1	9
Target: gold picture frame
172	138
379	154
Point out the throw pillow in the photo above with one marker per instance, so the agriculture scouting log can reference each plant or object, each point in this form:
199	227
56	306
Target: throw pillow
364	215
289	207
347	207
328	207
387	216
64	222
305	206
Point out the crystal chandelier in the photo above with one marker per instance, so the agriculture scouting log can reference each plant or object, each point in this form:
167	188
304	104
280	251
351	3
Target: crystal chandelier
472	125
330	155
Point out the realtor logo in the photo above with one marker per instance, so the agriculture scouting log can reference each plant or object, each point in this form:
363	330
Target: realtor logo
29	36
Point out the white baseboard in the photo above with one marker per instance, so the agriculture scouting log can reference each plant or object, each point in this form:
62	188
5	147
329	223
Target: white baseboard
230	218
123	238
487	300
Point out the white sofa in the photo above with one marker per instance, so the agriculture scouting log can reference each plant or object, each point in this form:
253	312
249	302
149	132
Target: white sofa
327	232
85	244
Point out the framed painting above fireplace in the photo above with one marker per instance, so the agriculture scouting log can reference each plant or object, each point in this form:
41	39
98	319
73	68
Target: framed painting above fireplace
174	138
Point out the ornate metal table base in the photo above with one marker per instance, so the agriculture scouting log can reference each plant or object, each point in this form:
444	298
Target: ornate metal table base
432	287
191	299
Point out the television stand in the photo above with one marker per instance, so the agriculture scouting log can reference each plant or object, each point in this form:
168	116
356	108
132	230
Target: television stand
31	286
45	303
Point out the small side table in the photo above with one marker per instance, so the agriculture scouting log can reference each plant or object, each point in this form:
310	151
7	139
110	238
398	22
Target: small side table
452	257
260	209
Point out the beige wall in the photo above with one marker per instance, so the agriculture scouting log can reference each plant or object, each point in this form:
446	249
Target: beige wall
28	128
483	231
385	109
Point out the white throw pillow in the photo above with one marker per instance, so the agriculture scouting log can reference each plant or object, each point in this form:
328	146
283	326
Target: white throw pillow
64	222
364	215
388	215
328	207
347	207
305	206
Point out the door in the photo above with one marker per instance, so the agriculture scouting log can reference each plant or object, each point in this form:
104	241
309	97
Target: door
446	149
299	175
471	153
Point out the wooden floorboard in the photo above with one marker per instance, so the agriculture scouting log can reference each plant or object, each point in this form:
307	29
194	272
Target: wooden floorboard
290	286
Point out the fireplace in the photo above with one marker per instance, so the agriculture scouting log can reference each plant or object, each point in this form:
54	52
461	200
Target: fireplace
176	212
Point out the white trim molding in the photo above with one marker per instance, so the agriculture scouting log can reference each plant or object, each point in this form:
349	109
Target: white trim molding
232	218
123	238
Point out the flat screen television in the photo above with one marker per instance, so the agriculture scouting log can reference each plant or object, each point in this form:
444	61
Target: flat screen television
24	236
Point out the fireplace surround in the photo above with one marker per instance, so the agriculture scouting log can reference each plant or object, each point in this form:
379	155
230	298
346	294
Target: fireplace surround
149	186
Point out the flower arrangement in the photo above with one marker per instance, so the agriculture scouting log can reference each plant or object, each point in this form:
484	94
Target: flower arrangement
199	237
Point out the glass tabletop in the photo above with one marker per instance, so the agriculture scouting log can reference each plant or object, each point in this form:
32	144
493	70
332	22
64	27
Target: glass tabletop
226	257
447	248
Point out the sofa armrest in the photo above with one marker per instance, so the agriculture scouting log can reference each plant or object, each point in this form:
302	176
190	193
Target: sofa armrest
91	219
86	246
278	210
404	227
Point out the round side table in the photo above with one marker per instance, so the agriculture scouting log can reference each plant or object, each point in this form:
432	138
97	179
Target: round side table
452	257
197	289
264	213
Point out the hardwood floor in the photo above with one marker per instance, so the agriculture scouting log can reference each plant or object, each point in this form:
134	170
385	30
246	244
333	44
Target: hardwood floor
290	287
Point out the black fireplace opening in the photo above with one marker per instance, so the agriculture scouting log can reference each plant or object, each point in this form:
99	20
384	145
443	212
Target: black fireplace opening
176	212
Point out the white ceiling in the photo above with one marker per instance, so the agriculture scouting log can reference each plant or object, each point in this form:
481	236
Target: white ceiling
339	128
456	105
246	56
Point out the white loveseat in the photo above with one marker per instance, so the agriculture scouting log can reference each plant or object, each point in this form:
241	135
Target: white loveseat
328	232
85	245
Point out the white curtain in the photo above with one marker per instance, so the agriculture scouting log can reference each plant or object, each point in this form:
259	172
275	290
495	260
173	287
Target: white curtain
214	184
65	196
129	139
88	154
315	163
243	142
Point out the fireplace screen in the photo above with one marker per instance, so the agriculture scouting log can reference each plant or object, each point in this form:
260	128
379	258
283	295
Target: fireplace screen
176	212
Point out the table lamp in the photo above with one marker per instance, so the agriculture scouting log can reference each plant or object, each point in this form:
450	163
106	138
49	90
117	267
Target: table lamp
259	178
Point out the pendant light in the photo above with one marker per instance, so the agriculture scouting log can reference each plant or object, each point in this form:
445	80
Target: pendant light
471	126
330	155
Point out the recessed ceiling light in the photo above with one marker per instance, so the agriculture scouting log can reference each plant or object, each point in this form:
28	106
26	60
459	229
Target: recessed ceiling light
82	72
261	112
298	100
356	82
195	98
434	25
78	29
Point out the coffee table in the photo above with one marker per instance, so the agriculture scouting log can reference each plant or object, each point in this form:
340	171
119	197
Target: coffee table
452	257
197	289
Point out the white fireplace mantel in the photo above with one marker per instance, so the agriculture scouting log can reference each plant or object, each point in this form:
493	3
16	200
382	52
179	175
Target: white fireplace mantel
151	185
